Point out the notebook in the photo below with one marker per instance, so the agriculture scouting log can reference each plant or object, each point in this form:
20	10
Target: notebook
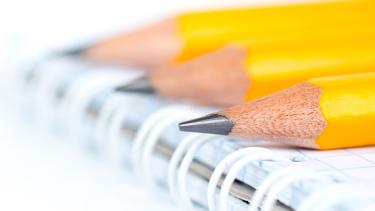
77	101
42	173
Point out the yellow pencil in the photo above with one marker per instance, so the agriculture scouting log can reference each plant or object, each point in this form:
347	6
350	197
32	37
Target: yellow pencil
187	35
321	113
234	74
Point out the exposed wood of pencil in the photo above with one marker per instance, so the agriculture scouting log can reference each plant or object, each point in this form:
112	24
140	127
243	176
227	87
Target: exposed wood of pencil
292	116
150	46
218	78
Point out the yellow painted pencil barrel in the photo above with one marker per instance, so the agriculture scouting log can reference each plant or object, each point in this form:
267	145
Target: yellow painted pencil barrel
185	36
347	104
239	73
278	67
203	31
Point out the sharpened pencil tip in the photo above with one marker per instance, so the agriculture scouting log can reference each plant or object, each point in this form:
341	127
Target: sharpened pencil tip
141	85
75	51
212	123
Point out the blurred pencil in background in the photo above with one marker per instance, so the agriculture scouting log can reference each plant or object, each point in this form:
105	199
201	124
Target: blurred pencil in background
321	113
230	75
188	35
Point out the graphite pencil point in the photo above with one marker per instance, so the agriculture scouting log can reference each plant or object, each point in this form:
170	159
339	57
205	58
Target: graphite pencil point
141	85
78	51
212	123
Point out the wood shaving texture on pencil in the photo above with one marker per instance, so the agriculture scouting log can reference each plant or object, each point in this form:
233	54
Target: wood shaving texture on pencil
151	46
218	78
292	116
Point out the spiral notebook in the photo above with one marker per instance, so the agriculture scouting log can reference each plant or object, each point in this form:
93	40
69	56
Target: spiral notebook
76	100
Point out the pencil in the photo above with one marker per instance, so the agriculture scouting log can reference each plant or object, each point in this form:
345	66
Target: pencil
187	35
321	113
233	74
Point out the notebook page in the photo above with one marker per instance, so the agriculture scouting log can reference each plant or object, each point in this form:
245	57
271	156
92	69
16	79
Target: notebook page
340	162
356	163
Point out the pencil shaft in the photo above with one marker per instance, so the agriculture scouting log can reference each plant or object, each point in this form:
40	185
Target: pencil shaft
192	34
322	113
348	106
274	68
207	30
233	74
